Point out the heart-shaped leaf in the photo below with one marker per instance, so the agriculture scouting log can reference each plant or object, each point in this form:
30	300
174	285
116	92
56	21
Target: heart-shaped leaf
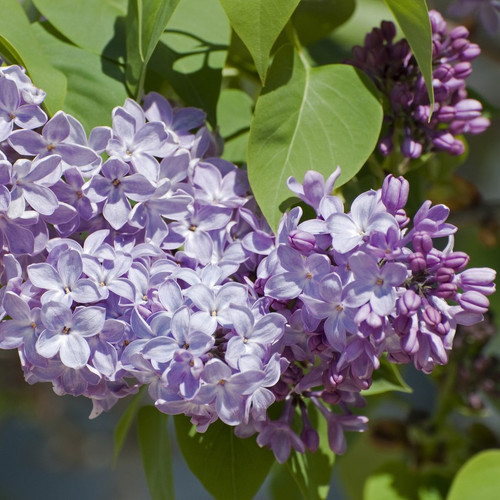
309	119
258	23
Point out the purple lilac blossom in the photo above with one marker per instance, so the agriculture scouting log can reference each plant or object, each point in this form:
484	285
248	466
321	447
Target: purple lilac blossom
156	268
395	72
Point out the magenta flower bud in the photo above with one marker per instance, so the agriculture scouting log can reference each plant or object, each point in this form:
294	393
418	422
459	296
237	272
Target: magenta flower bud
446	290
395	193
401	217
468	109
457	260
443	73
422	113
446	142
460	44
470	53
301	240
417	262
432	260
411	148
479	279
446	113
462	70
438	23
473	301
431	315
409	302
422	243
459	32
477	125
445	275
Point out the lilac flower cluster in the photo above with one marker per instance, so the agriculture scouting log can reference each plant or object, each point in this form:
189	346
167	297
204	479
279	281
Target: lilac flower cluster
154	268
394	70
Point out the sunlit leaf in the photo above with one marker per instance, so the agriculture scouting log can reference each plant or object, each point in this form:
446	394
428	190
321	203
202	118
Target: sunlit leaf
95	25
20	46
192	53
309	119
258	23
95	85
146	21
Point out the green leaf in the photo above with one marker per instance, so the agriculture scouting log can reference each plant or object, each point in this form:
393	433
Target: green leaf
20	46
413	18
95	85
230	468
309	119
309	473
395	481
156	452
123	426
234	112
314	20
258	23
478	478
387	378
95	25
192	53
146	21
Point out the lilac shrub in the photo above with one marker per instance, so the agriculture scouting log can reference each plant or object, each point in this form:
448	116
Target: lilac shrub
394	70
154	267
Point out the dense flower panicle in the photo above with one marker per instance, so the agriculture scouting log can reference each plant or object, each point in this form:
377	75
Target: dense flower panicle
155	268
394	70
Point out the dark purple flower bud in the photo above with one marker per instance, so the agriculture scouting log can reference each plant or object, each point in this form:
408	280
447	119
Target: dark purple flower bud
470	53
374	39
459	32
411	148
422	113
441	91
417	262
331	398
409	302
399	50
477	125
446	142
468	109
388	29
445	275
443	73
446	113
431	315
422	243
457	260
446	290
462	70
438	24
395	193
301	240
473	301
